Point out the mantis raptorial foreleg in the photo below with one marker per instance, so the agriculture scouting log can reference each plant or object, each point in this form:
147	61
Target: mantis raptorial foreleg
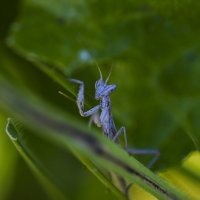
80	100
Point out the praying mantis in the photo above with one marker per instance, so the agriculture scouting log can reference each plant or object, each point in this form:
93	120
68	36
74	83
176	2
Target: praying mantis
105	119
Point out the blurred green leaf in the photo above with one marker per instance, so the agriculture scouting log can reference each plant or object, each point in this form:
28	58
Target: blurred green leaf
191	164
27	155
77	31
184	177
8	158
51	164
63	131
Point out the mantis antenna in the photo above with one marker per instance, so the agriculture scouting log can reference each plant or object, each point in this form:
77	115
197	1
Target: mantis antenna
108	75
101	77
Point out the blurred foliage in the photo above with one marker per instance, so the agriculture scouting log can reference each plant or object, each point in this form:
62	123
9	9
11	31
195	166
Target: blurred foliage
63	131
7	160
154	49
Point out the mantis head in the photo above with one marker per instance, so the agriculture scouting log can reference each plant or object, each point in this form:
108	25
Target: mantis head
102	89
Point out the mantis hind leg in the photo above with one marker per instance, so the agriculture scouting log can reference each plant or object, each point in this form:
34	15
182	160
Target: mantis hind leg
154	152
122	129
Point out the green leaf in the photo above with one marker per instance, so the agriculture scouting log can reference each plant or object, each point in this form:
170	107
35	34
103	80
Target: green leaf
40	155
54	193
63	131
8	158
186	176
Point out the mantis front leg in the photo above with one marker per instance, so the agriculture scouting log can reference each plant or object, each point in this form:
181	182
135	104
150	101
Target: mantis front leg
80	100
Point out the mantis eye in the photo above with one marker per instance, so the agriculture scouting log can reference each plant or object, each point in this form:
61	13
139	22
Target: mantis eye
99	84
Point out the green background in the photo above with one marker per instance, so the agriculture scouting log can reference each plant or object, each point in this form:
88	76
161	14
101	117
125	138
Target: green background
153	49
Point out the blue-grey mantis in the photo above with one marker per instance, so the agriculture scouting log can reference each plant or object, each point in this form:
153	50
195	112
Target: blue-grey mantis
105	120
